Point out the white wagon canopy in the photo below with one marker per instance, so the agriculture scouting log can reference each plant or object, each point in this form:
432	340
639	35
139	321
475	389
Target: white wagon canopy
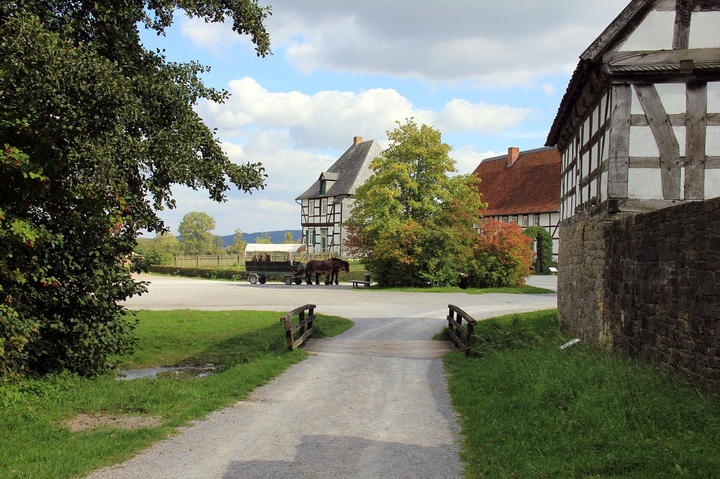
286	260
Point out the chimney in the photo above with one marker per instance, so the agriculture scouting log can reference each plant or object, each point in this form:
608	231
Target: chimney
513	153
357	140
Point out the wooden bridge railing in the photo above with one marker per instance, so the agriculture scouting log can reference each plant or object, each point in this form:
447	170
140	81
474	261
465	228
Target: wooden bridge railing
304	326
460	335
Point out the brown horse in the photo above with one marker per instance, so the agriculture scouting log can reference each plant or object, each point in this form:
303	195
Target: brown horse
338	265
330	268
317	268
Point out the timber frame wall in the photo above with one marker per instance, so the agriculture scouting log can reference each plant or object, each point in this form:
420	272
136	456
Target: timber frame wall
639	134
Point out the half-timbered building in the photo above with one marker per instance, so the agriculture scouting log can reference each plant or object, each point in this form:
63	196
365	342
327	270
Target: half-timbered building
523	187
328	202
639	125
639	134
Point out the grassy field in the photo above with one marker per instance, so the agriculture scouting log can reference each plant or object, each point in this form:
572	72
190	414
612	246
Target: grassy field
529	409
37	417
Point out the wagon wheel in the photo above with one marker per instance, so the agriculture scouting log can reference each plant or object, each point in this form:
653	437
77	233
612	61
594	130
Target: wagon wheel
253	278
262	279
298	280
288	280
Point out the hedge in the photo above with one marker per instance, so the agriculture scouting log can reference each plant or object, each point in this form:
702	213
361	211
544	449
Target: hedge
234	274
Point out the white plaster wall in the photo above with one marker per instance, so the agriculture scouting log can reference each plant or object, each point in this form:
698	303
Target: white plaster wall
712	183
713	93
654	33
712	141
642	142
704	31
644	183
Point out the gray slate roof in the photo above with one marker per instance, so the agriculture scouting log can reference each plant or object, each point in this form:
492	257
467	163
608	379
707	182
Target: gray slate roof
351	170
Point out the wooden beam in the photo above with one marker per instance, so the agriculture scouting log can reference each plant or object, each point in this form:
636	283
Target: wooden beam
698	55
619	141
681	35
695	135
664	137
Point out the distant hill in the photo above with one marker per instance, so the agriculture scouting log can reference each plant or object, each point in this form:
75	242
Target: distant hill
275	236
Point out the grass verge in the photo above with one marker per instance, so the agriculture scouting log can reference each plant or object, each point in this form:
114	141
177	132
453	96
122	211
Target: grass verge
248	347
456	289
529	409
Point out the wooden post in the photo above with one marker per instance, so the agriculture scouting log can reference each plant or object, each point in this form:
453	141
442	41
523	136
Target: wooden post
305	325
459	335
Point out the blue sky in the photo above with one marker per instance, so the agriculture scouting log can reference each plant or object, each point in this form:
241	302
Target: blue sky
488	74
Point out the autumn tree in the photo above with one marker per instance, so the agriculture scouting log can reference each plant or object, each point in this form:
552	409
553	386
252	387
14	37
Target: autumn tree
94	131
501	257
412	223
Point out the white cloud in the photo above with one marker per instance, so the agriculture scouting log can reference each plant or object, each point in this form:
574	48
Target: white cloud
329	119
461	115
497	43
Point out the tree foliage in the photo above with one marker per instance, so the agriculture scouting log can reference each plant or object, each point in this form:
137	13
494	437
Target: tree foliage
264	238
197	236
544	247
239	244
161	250
94	131
502	256
412	223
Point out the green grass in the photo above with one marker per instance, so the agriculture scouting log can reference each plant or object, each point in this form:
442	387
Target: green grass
456	289
529	409
248	347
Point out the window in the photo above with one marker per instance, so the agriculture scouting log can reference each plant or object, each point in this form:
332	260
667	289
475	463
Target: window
536	220
323	187
515	219
323	210
525	221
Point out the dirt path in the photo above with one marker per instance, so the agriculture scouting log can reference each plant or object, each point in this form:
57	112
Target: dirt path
370	403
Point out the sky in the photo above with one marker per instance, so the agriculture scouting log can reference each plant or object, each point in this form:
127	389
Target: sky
487	74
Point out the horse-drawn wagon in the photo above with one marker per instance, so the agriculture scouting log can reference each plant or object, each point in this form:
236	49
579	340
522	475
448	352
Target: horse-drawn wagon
286	260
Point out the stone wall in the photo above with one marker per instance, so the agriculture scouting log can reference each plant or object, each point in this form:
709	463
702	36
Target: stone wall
647	284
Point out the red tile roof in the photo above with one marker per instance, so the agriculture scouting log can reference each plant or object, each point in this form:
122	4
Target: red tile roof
531	184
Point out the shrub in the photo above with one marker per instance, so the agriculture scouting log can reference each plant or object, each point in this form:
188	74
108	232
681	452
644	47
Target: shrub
502	256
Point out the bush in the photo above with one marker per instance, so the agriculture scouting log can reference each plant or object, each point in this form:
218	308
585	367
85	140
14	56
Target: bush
502	256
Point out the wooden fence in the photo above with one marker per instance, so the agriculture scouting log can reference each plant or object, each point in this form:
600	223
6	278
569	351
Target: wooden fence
304	325
210	261
461	336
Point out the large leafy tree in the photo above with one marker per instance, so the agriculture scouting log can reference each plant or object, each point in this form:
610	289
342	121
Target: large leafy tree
197	236
412	223
94	131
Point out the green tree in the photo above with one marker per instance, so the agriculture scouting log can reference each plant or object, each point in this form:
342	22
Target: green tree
94	131
288	237
197	237
264	239
238	247
544	248
413	223
162	249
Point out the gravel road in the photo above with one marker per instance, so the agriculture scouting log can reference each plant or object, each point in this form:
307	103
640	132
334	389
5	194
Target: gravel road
370	403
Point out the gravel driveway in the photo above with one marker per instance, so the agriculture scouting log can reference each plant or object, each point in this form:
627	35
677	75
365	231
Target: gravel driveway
370	403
